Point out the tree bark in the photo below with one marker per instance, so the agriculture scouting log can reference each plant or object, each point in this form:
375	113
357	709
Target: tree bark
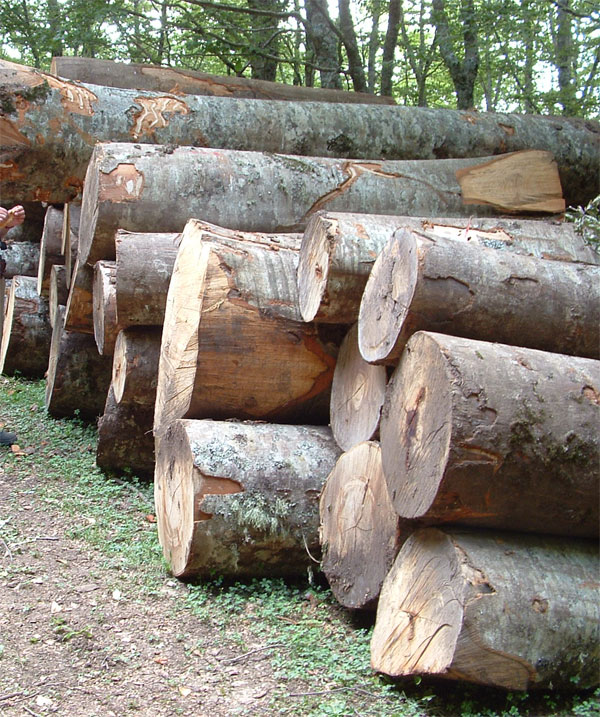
47	141
125	440
135	366
493	435
357	395
231	325
339	249
419	283
240	499
106	321
504	610
70	236
360	531
26	330
50	248
78	377
144	267
176	81
58	292
22	259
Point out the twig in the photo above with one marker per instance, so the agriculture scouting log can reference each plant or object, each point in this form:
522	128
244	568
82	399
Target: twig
231	660
47	537
308	551
336	689
31	712
10	696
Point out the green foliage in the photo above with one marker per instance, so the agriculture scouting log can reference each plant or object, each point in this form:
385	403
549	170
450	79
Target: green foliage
587	222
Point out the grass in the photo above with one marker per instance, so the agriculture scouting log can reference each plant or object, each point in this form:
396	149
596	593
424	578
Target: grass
307	637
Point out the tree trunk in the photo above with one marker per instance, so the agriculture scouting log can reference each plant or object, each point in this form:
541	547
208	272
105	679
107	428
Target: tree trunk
357	395
493	435
339	249
231	326
360	531
26	331
22	259
78	377
504	610
175	81
418	283
58	292
50	127
106	322
125	438
135	366
50	248
144	267
240	499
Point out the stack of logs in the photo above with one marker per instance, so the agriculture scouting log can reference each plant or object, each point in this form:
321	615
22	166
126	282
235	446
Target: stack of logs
307	368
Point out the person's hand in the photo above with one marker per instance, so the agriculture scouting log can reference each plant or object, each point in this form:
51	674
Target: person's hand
3	216
16	216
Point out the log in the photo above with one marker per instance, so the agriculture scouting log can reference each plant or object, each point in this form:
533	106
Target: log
240	499
135	366
339	249
419	283
357	395
50	248
78	377
498	609
231	326
70	236
144	267
3	292
125	441
106	321
493	435
178	81
26	331
58	292
22	259
360	531
50	126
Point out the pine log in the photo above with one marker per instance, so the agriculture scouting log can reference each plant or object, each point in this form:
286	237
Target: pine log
106	321
135	365
420	283
339	249
240	499
505	610
493	435
179	81
78	377
26	331
232	344
360	531
50	248
50	126
144	267
357	395
22	259
58	292
125	441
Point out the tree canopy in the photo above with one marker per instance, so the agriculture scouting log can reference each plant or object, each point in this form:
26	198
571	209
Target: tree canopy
539	56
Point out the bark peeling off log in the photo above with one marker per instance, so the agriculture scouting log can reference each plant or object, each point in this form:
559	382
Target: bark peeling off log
510	611
493	435
240	498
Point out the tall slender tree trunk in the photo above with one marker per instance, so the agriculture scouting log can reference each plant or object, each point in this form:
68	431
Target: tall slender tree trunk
389	47
324	43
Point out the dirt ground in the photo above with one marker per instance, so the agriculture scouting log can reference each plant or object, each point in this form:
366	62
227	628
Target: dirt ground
76	640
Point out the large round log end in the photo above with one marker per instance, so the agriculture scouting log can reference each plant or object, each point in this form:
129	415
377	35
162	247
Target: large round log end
313	266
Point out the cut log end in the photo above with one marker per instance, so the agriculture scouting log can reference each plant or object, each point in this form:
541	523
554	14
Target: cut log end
387	297
313	266
416	427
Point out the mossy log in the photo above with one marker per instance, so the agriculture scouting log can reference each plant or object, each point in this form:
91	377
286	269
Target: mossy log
498	609
240	499
26	330
144	266
339	249
233	344
434	284
78	377
493	435
360	531
50	126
